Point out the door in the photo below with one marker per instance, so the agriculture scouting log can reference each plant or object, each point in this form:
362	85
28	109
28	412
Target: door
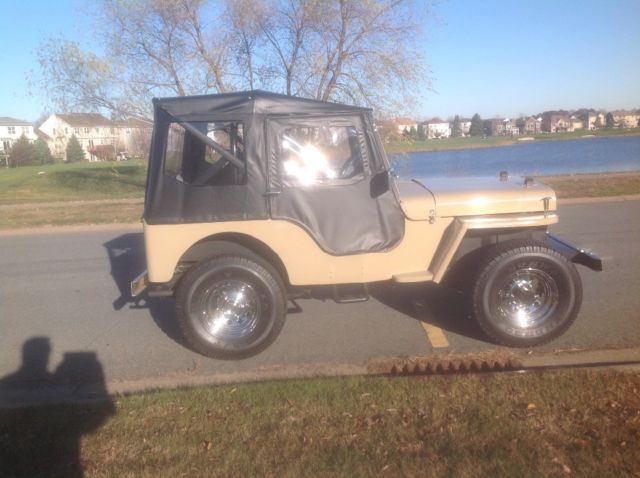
320	177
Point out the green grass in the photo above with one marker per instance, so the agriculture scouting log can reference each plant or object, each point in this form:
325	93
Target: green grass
594	185
554	424
446	144
67	182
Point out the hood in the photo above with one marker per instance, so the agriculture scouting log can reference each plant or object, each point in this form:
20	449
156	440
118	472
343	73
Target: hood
473	196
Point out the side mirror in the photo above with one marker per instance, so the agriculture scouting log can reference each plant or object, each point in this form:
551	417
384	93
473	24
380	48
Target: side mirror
379	184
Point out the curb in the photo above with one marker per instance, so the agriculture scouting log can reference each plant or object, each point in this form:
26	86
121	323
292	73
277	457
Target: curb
72	229
627	359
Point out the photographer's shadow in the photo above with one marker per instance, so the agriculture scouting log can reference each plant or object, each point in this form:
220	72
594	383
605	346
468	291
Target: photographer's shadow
45	440
127	259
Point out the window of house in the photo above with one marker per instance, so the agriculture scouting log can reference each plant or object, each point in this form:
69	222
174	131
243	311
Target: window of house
111	131
97	130
190	160
11	129
76	130
86	130
317	154
66	130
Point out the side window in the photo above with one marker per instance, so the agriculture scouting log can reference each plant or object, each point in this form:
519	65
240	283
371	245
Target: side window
320	154
191	161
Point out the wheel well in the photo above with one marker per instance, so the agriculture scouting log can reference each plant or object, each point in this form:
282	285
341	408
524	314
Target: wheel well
206	248
480	238
463	267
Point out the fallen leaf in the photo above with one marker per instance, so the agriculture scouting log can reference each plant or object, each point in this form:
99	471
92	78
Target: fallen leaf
531	406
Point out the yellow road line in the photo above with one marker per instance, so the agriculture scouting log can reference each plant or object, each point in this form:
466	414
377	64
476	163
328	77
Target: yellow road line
435	335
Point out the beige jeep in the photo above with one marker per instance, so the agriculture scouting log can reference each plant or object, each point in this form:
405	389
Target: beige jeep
253	197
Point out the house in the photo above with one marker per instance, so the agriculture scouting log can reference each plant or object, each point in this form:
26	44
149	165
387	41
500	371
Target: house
404	125
576	123
99	137
556	122
465	126
594	120
11	129
626	119
532	125
437	128
134	136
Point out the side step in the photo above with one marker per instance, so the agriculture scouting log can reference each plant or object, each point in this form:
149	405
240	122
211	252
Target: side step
350	293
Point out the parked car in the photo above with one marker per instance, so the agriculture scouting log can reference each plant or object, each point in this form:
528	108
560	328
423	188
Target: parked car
252	197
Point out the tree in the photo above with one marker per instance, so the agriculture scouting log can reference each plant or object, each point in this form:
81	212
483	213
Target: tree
598	122
422	134
456	129
21	153
340	50
41	152
74	150
476	128
610	122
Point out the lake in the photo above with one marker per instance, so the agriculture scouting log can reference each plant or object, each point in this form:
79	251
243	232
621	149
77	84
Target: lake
585	155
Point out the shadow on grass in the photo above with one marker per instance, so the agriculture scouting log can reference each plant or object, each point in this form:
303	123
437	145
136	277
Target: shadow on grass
44	440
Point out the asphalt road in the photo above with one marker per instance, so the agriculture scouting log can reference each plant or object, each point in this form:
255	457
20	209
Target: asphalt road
67	290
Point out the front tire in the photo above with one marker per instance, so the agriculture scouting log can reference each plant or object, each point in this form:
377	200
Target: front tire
525	294
231	306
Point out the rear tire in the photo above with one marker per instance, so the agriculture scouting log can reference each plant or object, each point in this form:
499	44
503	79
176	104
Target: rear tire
231	306
525	294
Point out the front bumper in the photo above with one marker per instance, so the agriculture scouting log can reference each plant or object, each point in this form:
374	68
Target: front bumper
573	253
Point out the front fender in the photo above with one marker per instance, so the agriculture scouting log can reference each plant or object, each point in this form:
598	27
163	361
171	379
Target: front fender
573	253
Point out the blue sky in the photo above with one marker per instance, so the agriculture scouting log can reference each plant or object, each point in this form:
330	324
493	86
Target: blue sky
491	57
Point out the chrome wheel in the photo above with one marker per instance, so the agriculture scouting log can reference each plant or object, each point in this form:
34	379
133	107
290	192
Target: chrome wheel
525	293
527	299
228	310
231	306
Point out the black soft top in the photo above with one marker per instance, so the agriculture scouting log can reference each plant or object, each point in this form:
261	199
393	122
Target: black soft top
374	221
257	102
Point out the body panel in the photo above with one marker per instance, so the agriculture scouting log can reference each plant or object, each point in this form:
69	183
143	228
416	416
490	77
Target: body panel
305	261
425	247
474	196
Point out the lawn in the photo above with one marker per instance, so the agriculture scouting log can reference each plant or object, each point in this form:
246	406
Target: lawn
571	423
68	182
446	144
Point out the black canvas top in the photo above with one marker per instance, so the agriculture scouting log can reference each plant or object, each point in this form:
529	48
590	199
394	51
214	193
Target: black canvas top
194	108
351	217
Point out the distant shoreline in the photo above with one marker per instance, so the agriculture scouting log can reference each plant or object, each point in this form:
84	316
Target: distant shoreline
477	142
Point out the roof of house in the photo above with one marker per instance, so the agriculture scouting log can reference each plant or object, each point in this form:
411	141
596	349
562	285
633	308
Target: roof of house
436	121
84	119
8	121
133	123
405	121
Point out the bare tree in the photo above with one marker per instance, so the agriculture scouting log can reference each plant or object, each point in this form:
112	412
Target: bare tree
364	52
